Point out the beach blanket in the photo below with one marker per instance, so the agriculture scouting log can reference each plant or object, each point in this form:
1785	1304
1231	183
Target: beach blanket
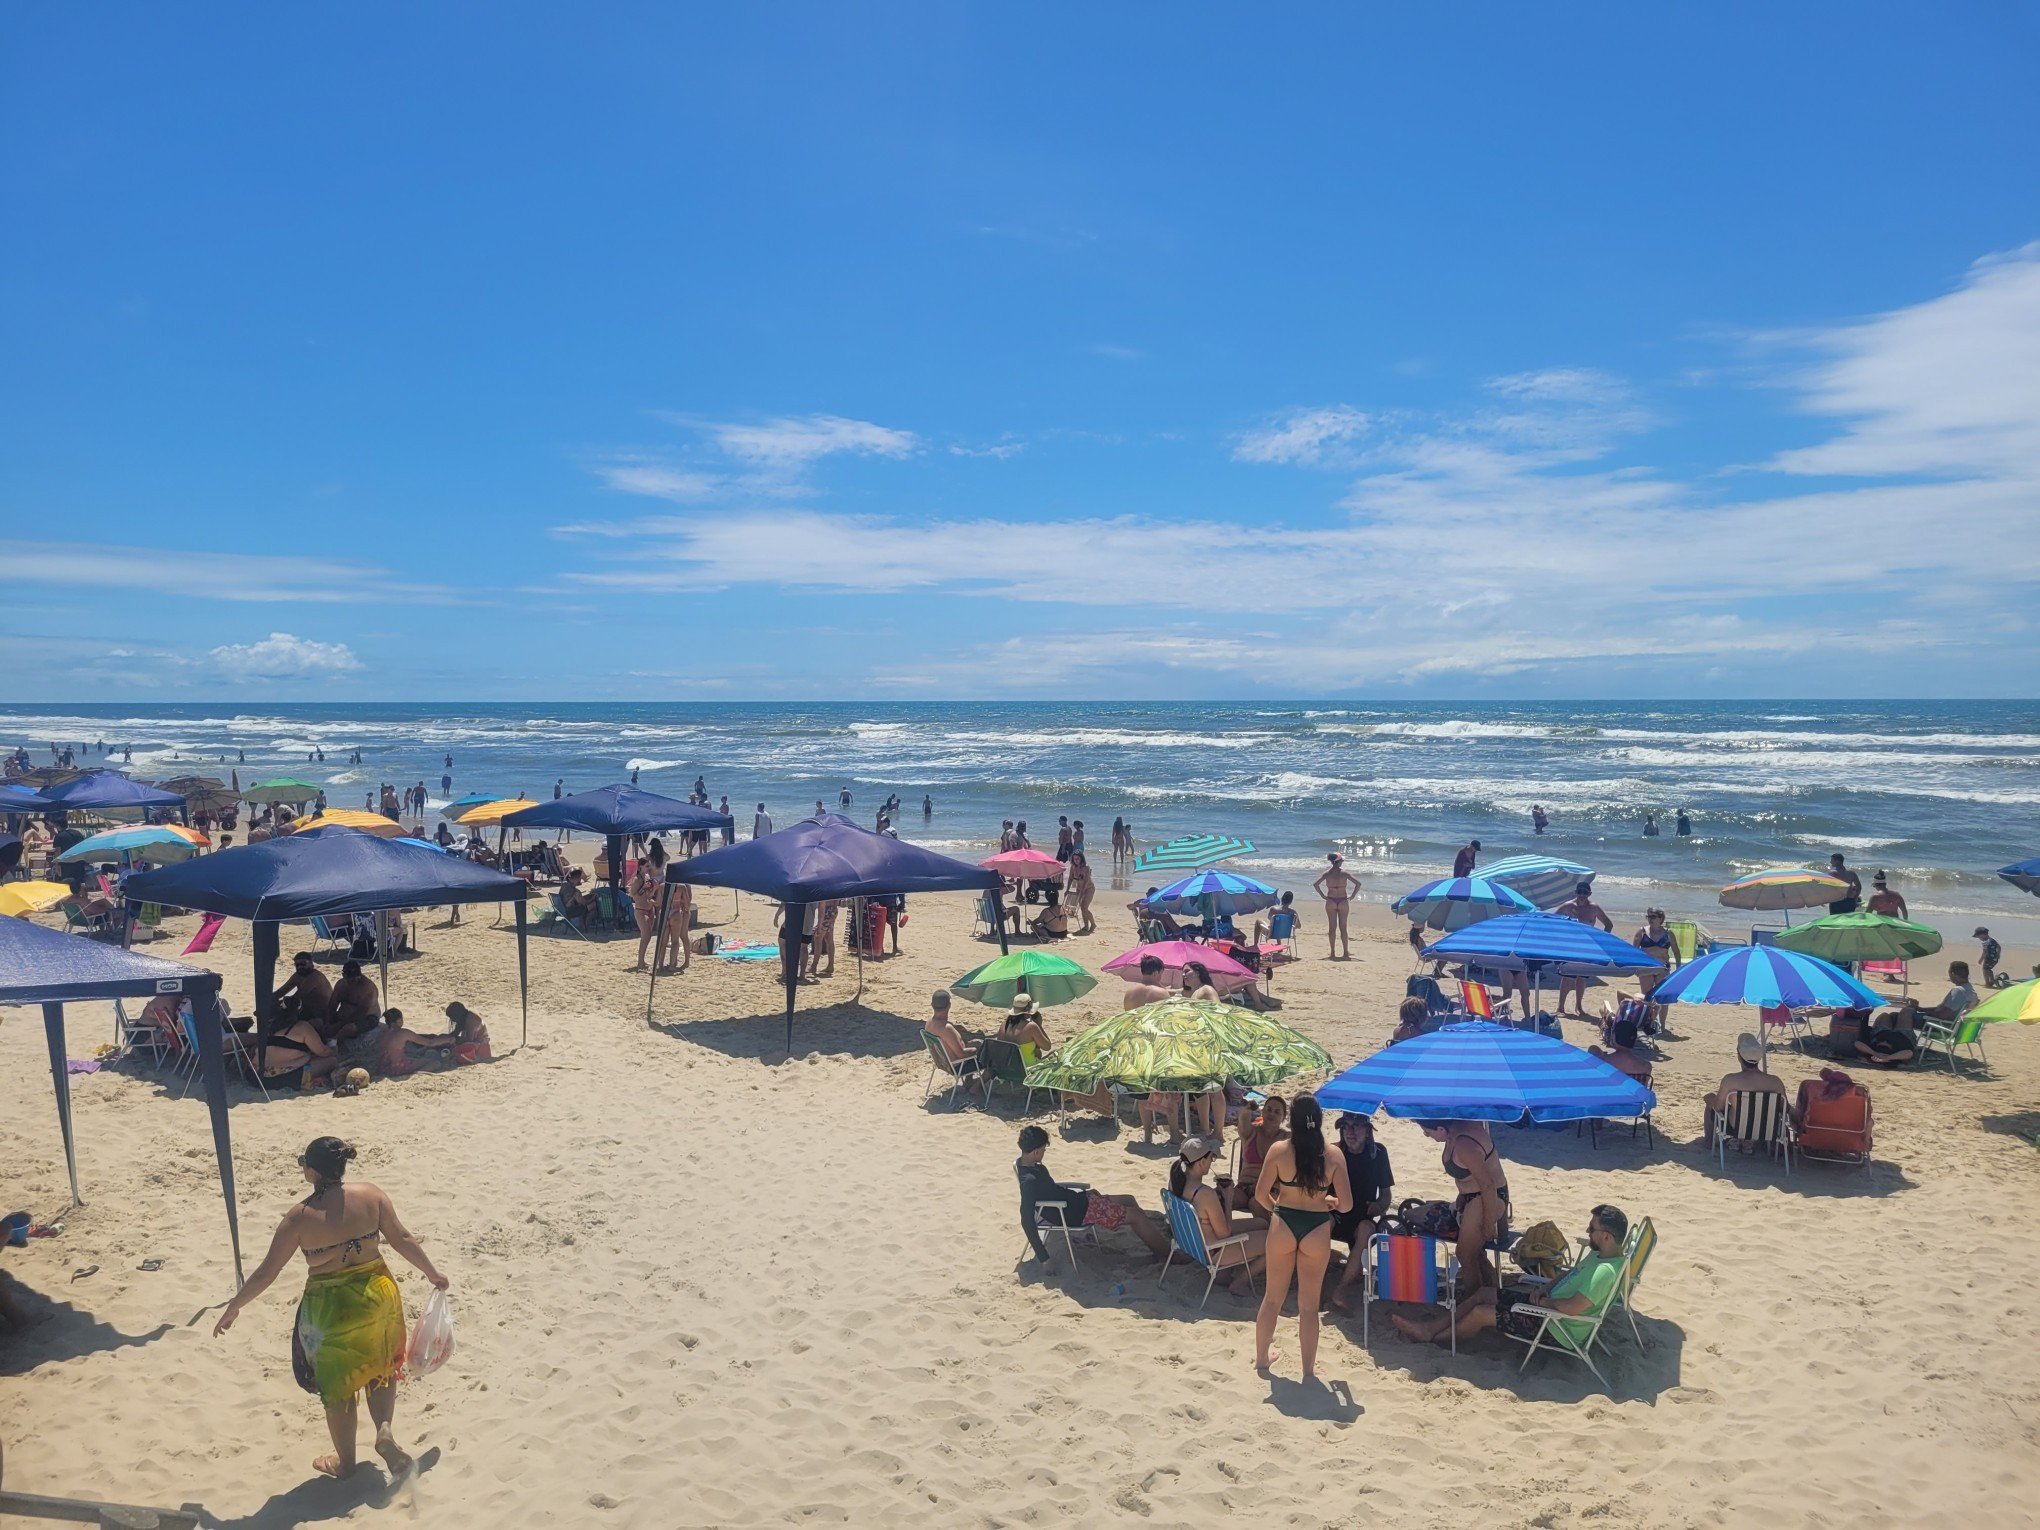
207	929
350	1332
81	1065
747	951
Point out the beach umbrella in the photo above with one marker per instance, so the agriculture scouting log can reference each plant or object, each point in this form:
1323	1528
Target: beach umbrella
1188	852
1214	892
460	805
1546	943
2020	1002
286	789
1861	937
1023	865
18	898
2024	875
428	844
1480	1071
1546	880
351	818
1226	974
1765	976
1452	903
108	789
1786	888
491	812
207	792
161	843
1046	977
1179	1045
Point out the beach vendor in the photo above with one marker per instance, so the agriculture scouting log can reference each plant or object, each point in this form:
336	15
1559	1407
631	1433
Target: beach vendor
350	1321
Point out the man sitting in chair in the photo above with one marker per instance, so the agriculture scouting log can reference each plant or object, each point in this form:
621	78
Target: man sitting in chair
307	994
962	1050
1081	1207
355	1007
1582	1292
1750	1079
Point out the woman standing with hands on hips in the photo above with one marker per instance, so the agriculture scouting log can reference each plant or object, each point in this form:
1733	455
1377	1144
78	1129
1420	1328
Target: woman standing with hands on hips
1302	1185
350	1322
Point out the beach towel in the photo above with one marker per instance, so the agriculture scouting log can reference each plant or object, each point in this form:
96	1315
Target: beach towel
81	1065
207	929
349	1333
747	951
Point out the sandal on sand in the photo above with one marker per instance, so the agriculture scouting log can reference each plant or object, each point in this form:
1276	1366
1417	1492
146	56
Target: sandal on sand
84	1270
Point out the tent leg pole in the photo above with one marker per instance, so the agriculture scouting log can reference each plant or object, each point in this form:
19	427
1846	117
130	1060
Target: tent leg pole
523	979
382	951
60	1075
210	1022
658	940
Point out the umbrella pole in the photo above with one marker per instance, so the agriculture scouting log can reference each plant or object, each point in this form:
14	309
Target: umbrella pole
382	950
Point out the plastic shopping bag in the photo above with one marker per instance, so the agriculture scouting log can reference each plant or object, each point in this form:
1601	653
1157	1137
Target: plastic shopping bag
431	1338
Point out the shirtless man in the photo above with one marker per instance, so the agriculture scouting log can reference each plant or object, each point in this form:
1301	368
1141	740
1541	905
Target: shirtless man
1149	990
1337	886
1849	901
355	1005
1587	911
307	995
1884	901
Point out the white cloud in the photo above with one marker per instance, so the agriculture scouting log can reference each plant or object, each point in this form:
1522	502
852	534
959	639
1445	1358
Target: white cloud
282	656
998	450
210	575
794	441
656	480
1308	437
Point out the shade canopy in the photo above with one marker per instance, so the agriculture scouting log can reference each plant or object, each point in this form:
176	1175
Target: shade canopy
208	792
283	789
1042	975
1189	851
2024	875
1542	943
51	968
1861	937
615	811
1546	880
1784	887
826	858
490	812
1178	1045
1452	903
108	789
1480	1071
1220	892
1765	976
20	799
1226	974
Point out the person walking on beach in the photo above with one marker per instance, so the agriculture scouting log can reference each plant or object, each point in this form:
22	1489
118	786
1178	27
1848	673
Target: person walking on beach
1849	902
350	1321
1587	911
1467	858
1337	886
1303	1187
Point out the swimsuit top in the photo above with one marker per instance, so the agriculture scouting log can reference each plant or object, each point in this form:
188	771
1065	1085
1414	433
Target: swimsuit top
1453	1168
1650	942
351	1247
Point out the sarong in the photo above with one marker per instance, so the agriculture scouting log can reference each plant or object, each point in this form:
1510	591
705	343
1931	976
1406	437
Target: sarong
350	1329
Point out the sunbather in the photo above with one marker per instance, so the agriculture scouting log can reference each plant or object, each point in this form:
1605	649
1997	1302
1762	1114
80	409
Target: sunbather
1582	1292
296	1056
306	994
1890	1044
1083	1206
1749	1079
1023	1028
355	1002
1268	1128
1373	1183
1187	1183
1622	1051
962	1049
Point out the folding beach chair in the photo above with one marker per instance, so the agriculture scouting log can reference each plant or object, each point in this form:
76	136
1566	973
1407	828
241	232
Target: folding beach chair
1782	1017
1005	1063
561	915
1053	1217
1890	970
1837	1130
1555	1332
1186	1235
1754	1118
968	1074
1950	1036
331	938
1403	1267
1636	1251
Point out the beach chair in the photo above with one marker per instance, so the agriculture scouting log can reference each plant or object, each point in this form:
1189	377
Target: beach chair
1782	1017
329	937
1591	1125
1754	1118
968	1074
1764	937
132	1037
1834	1130
1891	971
1950	1036
1005	1063
1686	941
1186	1235
1422	986
1555	1335
1636	1251
558	913
1054	1217
1405	1267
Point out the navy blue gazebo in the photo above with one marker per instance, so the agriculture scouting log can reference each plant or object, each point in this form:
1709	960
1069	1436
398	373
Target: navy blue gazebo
51	968
108	789
821	860
616	812
328	871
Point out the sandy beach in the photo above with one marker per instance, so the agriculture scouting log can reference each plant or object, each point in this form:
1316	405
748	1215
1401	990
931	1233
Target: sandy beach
698	1284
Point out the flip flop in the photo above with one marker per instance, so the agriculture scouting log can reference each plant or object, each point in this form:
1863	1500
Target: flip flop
150	1264
84	1270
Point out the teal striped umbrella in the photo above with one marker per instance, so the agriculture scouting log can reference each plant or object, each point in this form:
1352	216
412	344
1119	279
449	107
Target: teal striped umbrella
1191	852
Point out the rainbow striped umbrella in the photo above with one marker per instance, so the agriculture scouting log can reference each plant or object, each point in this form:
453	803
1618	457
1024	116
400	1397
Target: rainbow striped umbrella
1784	887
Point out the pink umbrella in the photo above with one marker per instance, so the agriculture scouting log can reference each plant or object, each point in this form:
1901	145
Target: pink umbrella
1024	865
1226	974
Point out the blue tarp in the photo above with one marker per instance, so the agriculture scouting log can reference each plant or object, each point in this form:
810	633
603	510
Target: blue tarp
109	789
1543	943
615	811
51	968
1480	1071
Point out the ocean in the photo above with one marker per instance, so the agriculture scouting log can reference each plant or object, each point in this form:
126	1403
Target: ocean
1939	794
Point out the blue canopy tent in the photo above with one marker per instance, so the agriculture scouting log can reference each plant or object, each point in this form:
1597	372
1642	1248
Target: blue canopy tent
2024	875
51	968
1480	1071
109	789
328	871
20	799
616	812
819	860
1541	945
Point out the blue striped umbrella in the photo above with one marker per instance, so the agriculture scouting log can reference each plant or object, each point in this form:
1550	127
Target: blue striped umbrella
1452	903
1544	943
1480	1071
1766	976
2024	875
1222	892
1545	880
1188	852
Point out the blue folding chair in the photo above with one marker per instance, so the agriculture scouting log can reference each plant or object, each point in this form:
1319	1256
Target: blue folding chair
1187	1238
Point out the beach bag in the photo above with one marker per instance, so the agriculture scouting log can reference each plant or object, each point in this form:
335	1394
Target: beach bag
1427	1219
1541	1251
432	1338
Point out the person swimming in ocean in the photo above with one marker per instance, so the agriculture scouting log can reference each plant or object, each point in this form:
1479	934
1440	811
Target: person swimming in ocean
1683	825
1650	826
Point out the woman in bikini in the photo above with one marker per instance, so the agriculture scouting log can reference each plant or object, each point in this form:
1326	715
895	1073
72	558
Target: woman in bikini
647	885
350	1322
1337	886
1083	888
1271	1127
1187	1183
1482	1202
1303	1185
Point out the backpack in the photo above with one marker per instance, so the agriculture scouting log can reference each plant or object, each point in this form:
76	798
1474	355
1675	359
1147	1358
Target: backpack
1542	1251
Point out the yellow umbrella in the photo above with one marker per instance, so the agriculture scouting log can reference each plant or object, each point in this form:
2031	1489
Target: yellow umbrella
350	818
30	897
2020	1002
492	812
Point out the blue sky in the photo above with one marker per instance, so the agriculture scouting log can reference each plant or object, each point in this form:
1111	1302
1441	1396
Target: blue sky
479	352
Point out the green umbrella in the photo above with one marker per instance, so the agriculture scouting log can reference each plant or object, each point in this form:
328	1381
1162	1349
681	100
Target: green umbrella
2020	1002
1179	1045
283	789
1860	937
1049	978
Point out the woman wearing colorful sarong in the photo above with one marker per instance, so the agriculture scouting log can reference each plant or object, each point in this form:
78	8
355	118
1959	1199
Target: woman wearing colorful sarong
350	1322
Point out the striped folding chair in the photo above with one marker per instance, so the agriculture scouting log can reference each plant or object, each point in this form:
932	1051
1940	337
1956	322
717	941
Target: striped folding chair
1754	1118
1476	999
1186	1237
1403	1267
